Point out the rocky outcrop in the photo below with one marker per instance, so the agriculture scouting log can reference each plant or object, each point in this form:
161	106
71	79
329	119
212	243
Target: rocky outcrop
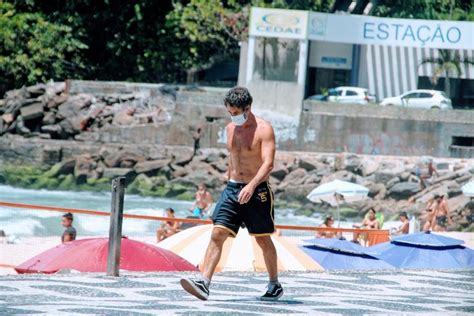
49	111
175	172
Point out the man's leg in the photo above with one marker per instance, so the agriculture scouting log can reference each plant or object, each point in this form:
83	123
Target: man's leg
269	255
200	287
213	252
274	288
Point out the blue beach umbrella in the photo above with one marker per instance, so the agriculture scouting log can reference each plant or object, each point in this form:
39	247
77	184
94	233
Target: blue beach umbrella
432	251
335	254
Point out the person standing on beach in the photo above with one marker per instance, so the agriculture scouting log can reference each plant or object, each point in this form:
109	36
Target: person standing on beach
441	214
247	197
69	233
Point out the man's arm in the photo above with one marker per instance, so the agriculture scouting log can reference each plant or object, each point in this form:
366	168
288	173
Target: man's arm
268	157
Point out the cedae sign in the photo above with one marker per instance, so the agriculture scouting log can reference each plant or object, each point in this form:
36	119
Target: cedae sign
279	23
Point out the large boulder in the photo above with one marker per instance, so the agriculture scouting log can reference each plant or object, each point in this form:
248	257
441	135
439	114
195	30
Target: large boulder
368	167
392	182
32	111
343	175
85	168
51	154
62	168
404	190
73	106
294	178
279	171
377	191
353	164
124	158
151	166
297	193
112	173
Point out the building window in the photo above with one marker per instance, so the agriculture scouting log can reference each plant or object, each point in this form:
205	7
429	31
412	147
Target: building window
463	141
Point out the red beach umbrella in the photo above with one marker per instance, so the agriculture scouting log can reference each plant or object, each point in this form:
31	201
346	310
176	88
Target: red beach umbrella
90	255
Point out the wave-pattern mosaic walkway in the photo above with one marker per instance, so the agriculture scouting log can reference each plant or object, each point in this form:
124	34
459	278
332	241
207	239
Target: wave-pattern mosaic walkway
408	292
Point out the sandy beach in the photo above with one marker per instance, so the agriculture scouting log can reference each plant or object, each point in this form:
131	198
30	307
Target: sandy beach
12	254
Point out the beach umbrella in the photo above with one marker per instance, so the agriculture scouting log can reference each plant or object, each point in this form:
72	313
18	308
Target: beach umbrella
337	191
335	254
424	251
238	254
90	255
468	189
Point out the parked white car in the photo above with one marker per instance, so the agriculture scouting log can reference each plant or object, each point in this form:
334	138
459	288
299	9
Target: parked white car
346	95
423	99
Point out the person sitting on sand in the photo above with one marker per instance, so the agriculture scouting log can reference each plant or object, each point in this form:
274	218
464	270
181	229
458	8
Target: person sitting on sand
69	233
404	227
203	201
370	222
328	223
168	228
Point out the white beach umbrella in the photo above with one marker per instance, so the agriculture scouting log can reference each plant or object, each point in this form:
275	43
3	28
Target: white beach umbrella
468	189
337	191
238	254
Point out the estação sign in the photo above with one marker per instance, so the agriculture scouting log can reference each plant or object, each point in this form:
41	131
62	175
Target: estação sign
357	29
417	33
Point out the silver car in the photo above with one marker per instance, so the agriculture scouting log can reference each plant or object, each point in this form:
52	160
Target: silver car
423	99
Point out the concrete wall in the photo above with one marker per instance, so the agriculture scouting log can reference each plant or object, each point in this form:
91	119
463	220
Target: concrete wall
385	131
323	127
280	96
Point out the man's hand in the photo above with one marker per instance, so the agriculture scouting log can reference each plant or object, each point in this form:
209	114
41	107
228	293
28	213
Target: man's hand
246	193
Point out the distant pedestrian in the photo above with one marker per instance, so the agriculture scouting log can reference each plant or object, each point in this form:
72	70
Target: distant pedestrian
69	233
441	213
431	172
197	139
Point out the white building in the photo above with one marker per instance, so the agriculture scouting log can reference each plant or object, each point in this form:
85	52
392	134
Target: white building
292	54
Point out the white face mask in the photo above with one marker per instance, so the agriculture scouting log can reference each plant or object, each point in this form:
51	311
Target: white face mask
239	119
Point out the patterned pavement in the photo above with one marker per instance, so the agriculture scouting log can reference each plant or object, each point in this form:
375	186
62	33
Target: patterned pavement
355	293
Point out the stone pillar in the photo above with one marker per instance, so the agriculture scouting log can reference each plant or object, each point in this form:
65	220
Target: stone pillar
250	58
303	62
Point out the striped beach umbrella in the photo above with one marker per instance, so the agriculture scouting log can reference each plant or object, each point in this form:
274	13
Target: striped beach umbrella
238	254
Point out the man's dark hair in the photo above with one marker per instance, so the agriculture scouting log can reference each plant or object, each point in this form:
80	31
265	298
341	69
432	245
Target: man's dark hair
169	209
69	216
404	214
238	97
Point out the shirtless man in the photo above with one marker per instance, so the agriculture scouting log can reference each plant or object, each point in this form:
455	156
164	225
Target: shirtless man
203	201
441	213
247	198
404	228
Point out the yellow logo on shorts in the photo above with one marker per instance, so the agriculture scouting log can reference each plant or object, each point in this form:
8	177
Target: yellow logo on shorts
263	196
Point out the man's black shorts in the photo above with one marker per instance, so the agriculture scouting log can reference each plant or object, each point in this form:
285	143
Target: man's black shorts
257	214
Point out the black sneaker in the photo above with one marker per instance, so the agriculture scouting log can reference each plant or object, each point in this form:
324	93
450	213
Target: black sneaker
197	288
274	292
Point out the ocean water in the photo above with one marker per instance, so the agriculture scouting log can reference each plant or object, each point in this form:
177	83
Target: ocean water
26	222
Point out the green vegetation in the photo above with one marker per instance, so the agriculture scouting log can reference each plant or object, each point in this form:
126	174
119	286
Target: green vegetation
147	40
35	178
